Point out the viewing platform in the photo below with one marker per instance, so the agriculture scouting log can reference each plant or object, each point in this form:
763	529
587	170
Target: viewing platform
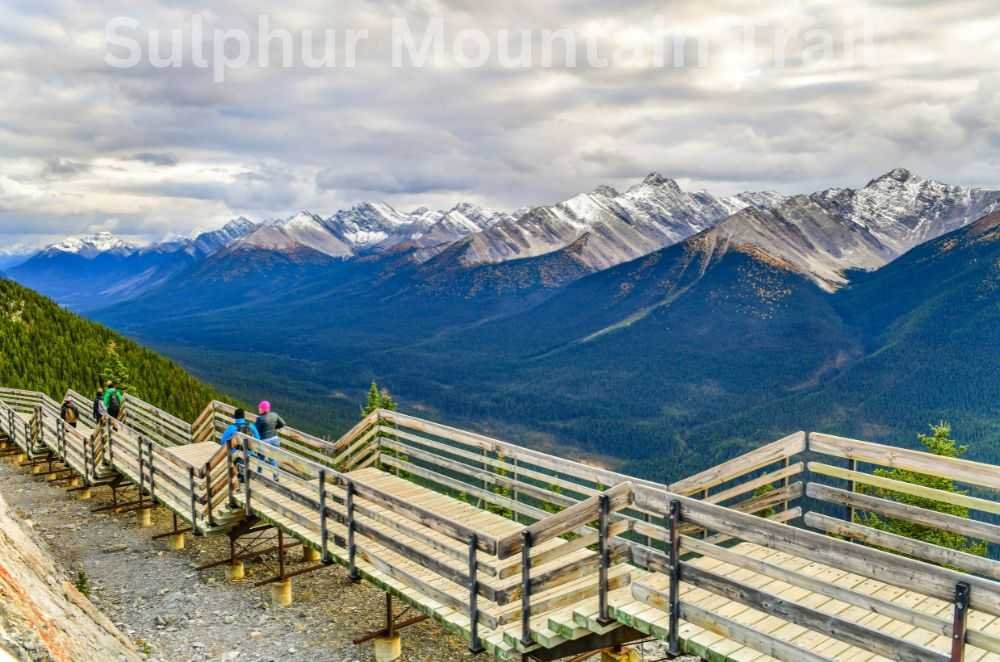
529	556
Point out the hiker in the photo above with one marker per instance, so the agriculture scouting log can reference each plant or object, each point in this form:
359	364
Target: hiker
113	399
100	411
268	423
239	426
69	412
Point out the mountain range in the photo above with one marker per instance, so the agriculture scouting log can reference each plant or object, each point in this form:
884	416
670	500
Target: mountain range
663	328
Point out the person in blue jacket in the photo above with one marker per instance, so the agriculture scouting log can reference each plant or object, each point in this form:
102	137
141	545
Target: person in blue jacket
242	426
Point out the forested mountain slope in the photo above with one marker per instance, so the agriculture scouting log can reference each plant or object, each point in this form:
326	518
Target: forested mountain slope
45	348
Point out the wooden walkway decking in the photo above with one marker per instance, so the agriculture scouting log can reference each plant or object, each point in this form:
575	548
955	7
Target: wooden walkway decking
524	553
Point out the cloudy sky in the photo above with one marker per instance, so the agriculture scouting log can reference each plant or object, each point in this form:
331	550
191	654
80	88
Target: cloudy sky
719	94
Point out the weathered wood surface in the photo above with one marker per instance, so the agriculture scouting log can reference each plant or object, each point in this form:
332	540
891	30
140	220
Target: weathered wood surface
964	471
414	540
195	455
852	633
619	496
897	609
742	465
888	508
936	581
953	498
742	567
909	546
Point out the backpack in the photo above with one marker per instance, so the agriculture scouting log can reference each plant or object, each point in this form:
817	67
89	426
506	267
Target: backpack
69	414
115	404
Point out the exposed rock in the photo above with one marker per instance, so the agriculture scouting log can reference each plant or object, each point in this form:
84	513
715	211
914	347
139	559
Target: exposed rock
43	617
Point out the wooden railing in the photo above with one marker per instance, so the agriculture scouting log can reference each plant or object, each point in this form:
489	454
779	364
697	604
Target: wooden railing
156	424
961	589
580	523
354	449
862	491
81	449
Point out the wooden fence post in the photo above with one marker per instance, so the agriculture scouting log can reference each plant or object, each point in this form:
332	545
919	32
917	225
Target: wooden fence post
673	648
152	473
208	493
230	477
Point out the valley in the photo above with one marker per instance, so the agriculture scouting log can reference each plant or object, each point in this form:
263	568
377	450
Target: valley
658	330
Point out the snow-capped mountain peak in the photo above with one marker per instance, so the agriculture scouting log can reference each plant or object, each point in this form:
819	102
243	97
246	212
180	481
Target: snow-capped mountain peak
649	215
903	209
91	246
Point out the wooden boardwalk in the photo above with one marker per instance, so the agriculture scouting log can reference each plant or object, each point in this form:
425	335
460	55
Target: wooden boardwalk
524	554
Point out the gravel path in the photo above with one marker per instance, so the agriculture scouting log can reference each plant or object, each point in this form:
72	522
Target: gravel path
175	613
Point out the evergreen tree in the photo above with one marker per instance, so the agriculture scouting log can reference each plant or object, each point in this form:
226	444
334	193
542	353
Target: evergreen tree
939	442
44	347
381	399
115	370
377	399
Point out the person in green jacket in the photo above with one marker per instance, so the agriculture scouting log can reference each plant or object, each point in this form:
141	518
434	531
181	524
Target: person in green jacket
113	399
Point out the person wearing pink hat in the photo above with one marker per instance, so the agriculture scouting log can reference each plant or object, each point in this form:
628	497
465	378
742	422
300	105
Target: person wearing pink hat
268	423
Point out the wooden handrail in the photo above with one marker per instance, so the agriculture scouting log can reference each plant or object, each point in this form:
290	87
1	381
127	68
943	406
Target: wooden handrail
964	471
782	449
620	496
891	568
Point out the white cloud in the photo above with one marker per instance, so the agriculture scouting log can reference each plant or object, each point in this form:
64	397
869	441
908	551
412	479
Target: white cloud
155	150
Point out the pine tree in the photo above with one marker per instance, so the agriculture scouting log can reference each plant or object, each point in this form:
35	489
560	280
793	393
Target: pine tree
939	442
44	347
377	399
381	399
115	370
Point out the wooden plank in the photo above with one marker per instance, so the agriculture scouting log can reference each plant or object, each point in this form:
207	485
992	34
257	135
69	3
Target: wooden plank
748	636
429	538
360	443
915	514
577	515
749	486
564	596
363	425
428	518
909	546
479	475
965	471
891	568
742	465
165	416
892	609
953	498
518	471
457	485
545	556
567	467
580	565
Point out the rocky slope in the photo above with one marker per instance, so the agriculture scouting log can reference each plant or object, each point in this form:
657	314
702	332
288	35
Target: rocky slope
42	615
824	235
621	226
